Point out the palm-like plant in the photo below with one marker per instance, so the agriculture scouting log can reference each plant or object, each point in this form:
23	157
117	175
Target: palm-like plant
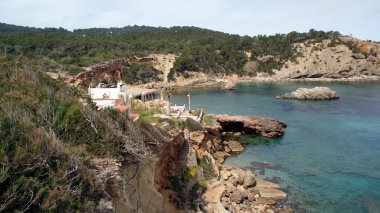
168	91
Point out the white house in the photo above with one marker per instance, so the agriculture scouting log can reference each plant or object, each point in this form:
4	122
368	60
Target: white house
100	92
105	97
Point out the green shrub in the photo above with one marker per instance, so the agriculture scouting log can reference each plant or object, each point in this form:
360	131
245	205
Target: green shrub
193	125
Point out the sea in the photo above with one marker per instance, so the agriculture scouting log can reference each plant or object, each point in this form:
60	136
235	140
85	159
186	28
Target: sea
329	158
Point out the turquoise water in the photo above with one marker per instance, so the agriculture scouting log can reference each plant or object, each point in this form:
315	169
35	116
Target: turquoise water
329	158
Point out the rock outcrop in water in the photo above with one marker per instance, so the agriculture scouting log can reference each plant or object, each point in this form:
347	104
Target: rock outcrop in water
316	93
267	127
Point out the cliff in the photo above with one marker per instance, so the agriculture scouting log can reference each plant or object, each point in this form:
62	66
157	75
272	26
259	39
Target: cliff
333	61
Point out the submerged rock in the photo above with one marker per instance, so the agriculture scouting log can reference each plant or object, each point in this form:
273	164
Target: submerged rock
269	190
316	93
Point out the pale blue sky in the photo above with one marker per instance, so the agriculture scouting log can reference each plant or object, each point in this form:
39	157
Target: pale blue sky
244	17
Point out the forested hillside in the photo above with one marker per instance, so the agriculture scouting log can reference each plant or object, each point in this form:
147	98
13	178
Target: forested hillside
198	49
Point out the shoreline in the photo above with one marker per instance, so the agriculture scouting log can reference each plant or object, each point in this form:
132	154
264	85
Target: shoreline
259	194
221	82
351	79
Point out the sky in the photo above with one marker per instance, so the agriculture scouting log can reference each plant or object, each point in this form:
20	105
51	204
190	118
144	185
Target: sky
360	19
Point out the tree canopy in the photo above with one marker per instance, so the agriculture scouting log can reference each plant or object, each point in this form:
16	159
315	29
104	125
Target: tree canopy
198	49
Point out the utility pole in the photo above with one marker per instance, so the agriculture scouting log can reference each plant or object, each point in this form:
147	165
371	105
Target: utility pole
188	96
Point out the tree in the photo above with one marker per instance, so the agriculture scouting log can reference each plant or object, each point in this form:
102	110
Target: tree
168	91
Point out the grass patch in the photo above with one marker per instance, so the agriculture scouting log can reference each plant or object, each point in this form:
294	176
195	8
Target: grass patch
190	172
148	116
208	120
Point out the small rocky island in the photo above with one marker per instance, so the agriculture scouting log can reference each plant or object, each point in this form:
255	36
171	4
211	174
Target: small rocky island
316	93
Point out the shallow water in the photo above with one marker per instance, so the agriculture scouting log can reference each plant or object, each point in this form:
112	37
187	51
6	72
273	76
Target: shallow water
329	158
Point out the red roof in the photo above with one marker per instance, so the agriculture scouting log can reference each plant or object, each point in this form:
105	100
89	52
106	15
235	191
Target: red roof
122	107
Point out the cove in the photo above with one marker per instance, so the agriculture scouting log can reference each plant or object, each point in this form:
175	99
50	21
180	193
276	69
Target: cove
329	158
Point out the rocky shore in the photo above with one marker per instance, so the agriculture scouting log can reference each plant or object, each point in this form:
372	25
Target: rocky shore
322	79
233	189
188	174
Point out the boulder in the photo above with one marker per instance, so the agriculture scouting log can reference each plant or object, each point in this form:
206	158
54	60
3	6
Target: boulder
358	56
243	191
249	181
269	190
316	93
220	156
251	197
228	86
212	197
236	197
266	184
235	146
272	193
250	124
227	150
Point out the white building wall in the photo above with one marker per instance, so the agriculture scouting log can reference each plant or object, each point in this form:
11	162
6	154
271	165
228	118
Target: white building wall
98	93
105	103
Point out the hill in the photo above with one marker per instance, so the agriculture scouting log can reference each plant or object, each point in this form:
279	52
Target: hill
197	49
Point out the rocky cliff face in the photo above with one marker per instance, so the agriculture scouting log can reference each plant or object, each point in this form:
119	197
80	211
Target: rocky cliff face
115	68
112	68
324	60
144	186
163	63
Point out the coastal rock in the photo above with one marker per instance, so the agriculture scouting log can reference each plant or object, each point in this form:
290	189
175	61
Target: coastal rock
228	85
358	56
272	193
249	181
266	184
250	124
212	197
269	190
251	197
287	208
209	161
236	196
316	93
235	146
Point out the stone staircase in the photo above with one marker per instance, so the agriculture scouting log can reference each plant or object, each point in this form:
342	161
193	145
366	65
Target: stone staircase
181	157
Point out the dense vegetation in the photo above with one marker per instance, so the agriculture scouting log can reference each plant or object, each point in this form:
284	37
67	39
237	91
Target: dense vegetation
47	141
198	49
